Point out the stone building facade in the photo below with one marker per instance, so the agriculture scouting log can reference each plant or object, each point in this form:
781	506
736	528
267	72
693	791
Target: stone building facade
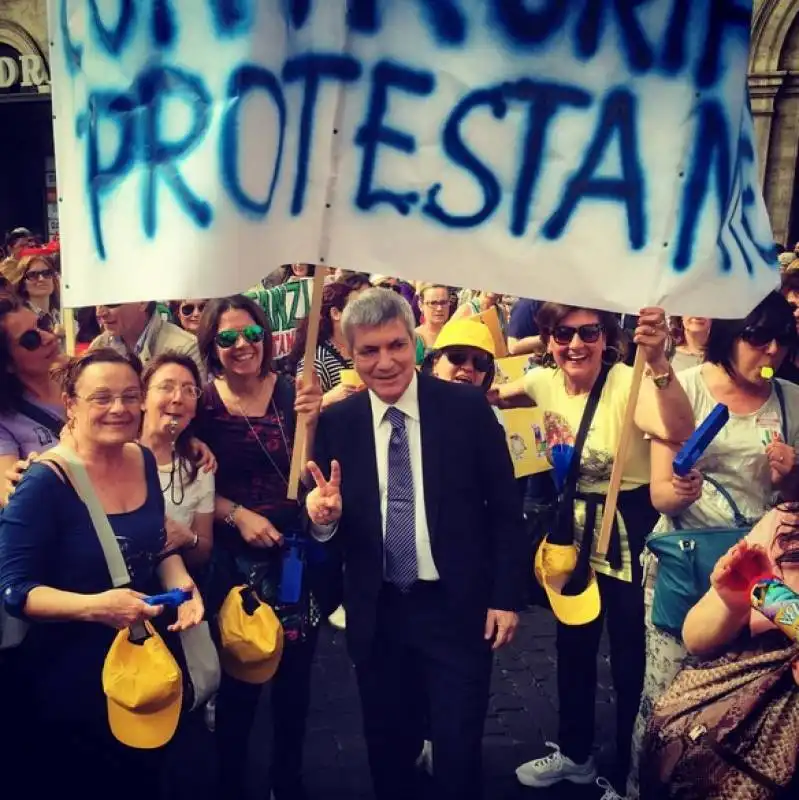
24	68
774	88
773	80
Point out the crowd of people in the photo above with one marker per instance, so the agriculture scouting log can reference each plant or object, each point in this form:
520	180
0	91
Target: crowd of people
410	531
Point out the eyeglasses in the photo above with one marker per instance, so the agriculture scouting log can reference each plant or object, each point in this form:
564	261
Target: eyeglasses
188	390
564	334
458	357
187	309
763	335
252	335
39	275
437	303
105	400
32	340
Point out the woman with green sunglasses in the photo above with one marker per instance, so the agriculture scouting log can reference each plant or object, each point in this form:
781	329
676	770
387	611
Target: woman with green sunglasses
248	413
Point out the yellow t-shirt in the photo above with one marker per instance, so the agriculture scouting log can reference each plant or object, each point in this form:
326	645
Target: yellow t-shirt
562	415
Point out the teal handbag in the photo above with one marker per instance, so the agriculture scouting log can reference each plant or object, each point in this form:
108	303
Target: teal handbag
687	557
685	560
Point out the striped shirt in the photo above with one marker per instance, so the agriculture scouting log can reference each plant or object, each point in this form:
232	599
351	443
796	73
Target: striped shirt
328	363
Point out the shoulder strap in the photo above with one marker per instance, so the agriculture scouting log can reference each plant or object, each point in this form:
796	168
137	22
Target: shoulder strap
76	473
783	409
37	414
570	484
740	520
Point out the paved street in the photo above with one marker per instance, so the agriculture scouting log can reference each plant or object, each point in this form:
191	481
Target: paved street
523	714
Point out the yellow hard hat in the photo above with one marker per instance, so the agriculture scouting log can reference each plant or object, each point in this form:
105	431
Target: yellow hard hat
466	333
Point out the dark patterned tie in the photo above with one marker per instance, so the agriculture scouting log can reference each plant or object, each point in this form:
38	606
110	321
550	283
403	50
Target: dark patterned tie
400	544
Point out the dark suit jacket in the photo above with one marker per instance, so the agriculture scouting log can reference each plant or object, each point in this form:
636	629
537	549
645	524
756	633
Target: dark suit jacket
474	510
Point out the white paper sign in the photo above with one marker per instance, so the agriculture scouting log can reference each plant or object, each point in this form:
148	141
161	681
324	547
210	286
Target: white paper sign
587	151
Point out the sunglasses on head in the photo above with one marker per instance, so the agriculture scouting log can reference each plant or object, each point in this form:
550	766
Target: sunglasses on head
458	357
39	275
564	334
32	340
187	309
764	335
227	338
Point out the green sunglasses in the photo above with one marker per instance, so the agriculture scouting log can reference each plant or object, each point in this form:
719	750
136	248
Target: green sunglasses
252	334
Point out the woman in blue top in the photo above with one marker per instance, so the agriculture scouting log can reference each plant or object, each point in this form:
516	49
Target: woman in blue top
52	570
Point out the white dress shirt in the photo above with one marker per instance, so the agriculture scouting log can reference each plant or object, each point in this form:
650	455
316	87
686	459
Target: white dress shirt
409	405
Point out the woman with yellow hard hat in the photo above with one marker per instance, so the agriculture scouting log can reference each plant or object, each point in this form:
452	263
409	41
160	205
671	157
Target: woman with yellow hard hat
464	352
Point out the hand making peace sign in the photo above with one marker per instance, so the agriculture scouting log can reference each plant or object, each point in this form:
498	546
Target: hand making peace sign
324	502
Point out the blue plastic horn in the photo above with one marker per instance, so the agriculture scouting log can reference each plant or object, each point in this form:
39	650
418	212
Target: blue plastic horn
562	455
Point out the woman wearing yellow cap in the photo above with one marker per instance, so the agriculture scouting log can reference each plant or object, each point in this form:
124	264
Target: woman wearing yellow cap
579	342
463	353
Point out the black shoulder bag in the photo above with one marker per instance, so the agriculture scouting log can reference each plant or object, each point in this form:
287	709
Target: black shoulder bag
39	415
556	521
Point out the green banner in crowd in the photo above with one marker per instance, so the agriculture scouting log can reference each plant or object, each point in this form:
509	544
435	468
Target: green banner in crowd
285	306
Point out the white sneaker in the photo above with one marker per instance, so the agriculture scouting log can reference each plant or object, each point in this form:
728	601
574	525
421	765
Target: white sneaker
338	619
610	792
549	770
425	760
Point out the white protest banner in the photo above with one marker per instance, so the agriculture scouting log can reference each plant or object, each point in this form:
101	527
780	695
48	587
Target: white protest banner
284	305
588	151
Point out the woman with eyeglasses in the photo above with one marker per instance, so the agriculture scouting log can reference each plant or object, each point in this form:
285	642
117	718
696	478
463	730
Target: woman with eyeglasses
583	344
54	575
31	409
435	306
247	415
38	286
753	458
189	313
172	388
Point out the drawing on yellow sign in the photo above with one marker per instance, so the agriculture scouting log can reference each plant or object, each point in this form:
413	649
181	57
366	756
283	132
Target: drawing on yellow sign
524	430
512	368
524	427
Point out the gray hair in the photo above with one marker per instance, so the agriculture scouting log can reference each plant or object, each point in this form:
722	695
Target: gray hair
373	308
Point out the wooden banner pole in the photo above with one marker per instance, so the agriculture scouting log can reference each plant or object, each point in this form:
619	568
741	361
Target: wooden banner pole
68	321
628	425
301	433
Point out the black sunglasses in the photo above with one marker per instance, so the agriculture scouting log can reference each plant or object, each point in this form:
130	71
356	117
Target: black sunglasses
40	275
187	309
458	357
32	340
563	334
764	335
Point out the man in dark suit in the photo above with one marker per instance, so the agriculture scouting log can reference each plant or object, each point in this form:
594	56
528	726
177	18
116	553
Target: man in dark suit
422	500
